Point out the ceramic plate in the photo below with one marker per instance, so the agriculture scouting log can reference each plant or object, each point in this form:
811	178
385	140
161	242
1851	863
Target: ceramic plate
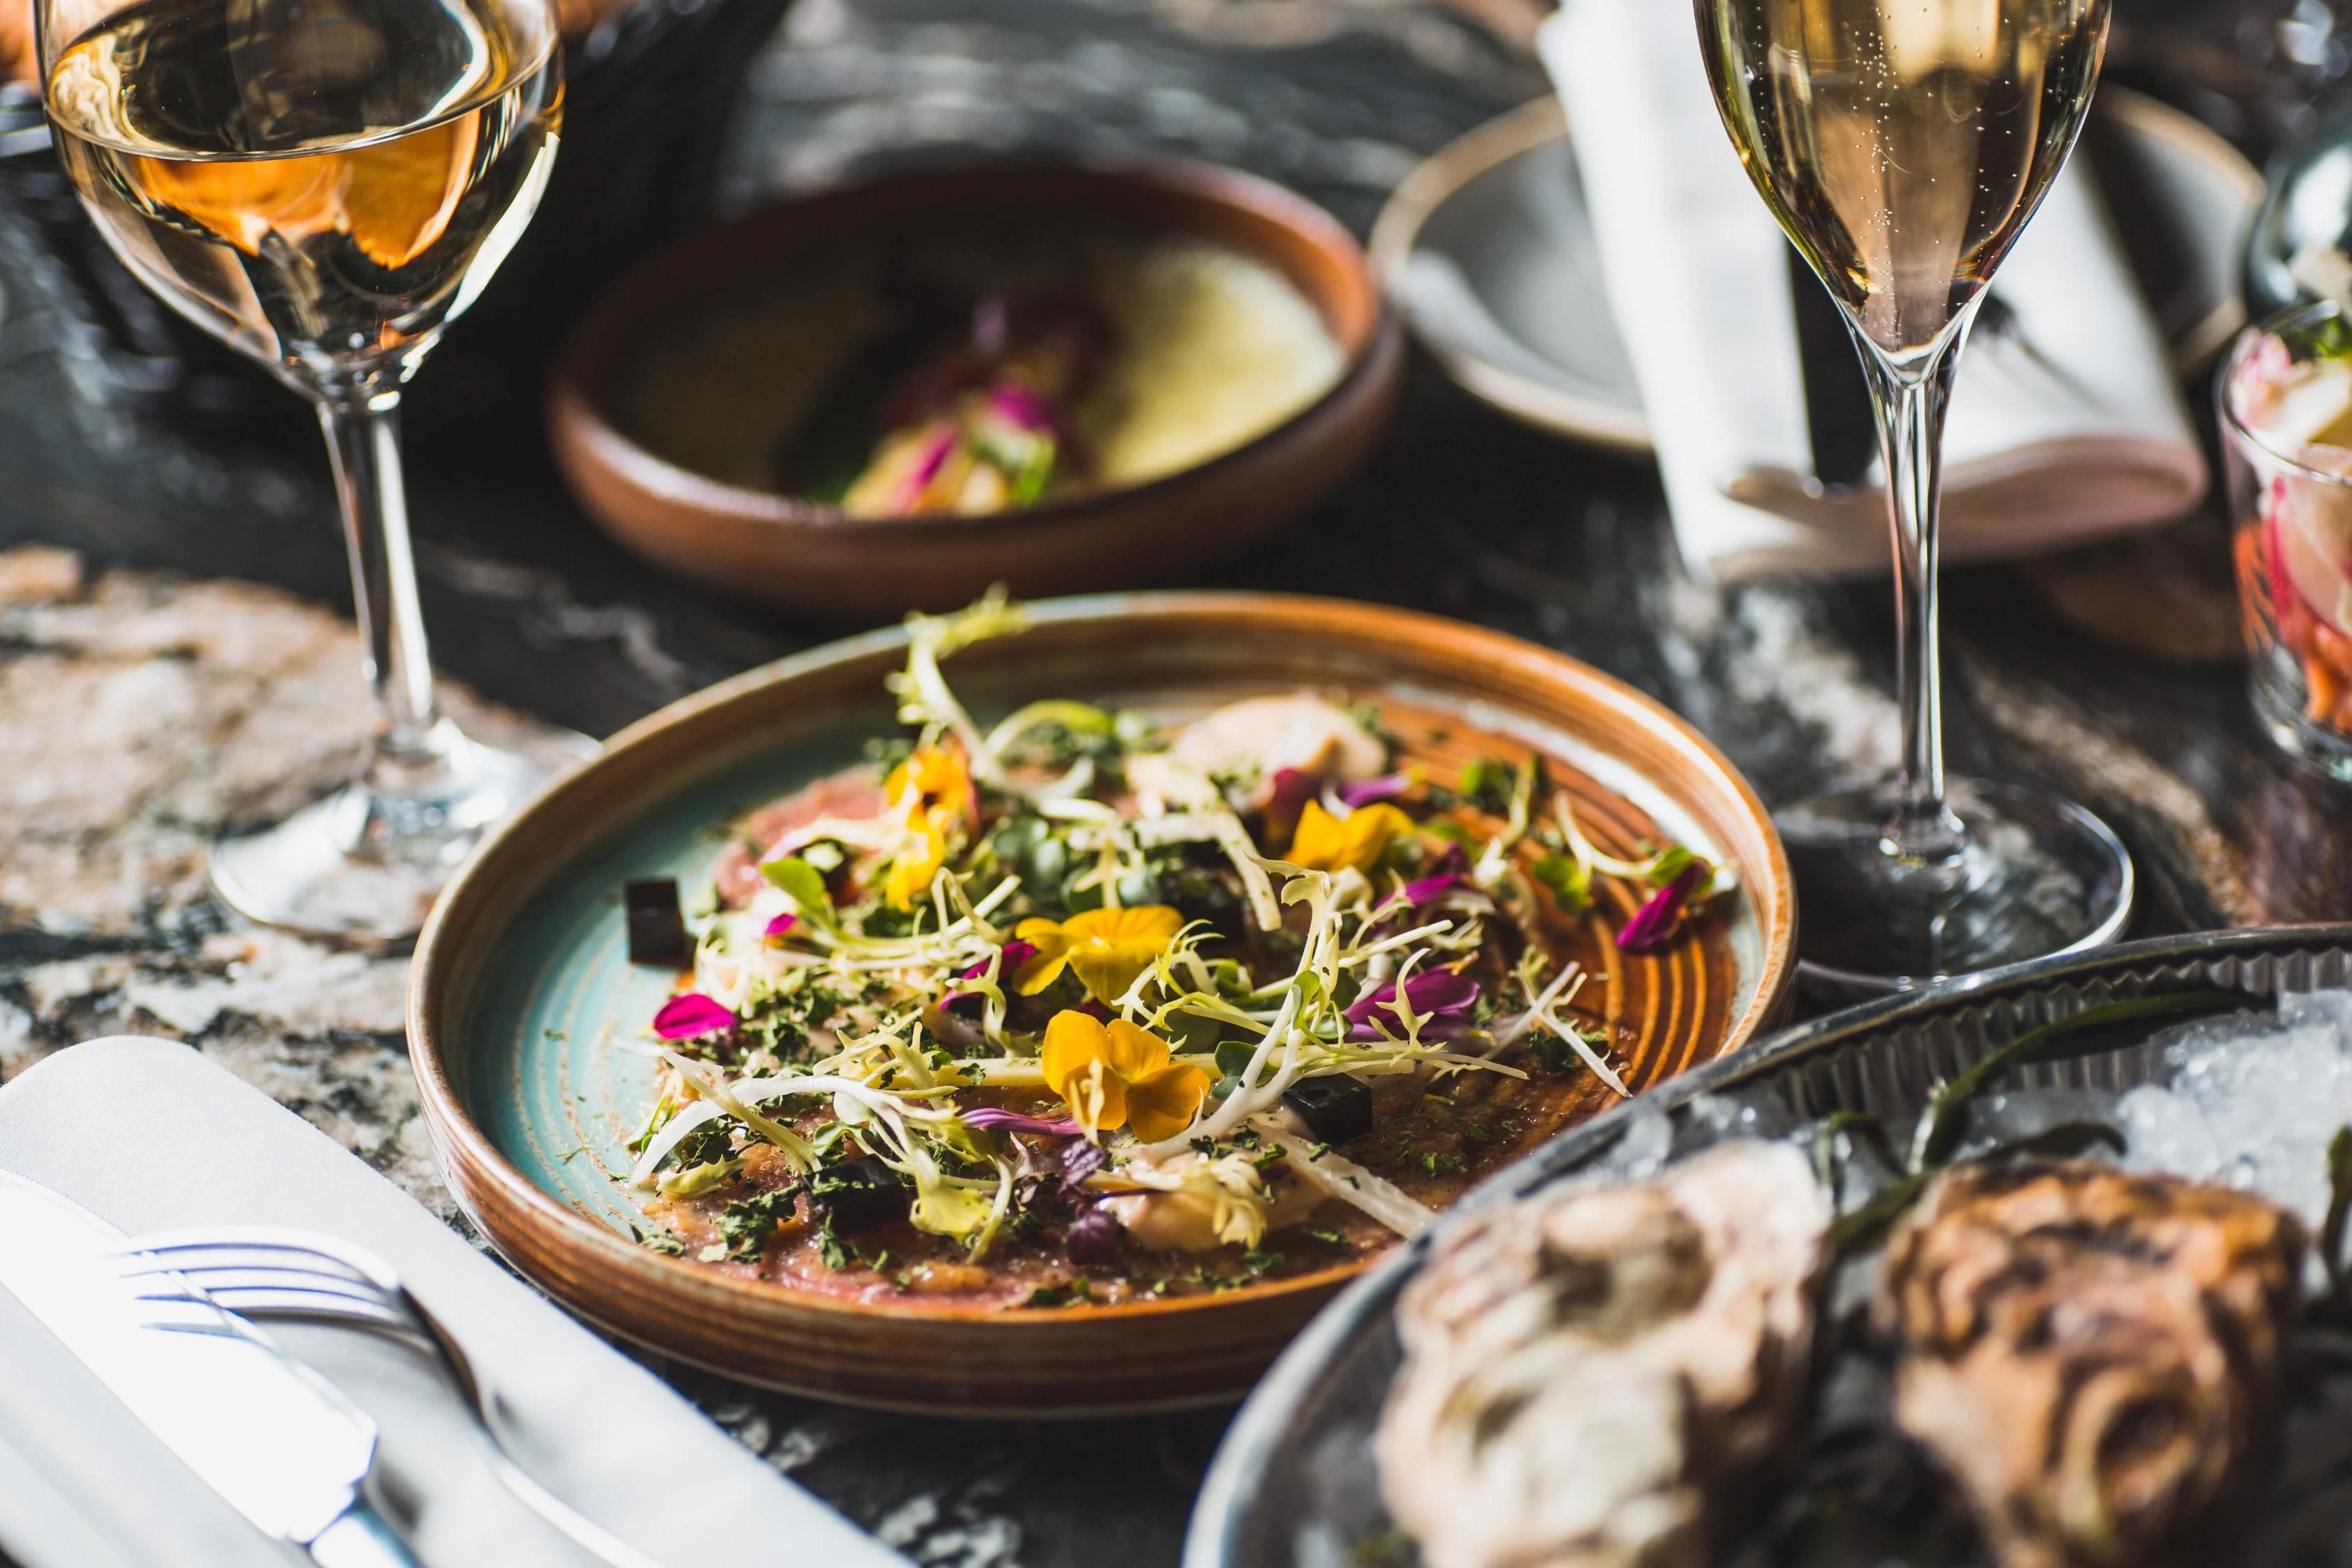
1293	1485
521	994
1489	249
736	537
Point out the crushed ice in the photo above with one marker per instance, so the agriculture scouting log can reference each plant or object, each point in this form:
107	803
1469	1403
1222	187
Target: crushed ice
2250	1101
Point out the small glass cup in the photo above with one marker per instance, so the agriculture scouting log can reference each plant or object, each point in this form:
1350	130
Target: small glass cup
2291	510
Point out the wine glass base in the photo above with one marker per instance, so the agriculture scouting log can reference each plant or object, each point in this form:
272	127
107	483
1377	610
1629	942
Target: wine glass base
2035	875
362	866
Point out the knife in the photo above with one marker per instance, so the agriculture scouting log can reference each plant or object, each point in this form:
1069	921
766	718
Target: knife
271	1436
1838	414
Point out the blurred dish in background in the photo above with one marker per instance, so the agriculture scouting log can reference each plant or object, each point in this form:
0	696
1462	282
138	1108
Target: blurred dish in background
984	373
1488	249
1054	376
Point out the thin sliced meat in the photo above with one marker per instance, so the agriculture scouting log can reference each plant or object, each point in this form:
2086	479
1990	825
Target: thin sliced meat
852	797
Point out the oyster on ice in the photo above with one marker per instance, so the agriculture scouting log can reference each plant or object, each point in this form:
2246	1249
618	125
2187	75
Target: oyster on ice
1581	1367
2088	1353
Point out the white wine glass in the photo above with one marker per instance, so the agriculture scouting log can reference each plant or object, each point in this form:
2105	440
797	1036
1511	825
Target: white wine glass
1903	145
324	185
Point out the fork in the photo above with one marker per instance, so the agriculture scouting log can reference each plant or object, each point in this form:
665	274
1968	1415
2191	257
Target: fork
268	1273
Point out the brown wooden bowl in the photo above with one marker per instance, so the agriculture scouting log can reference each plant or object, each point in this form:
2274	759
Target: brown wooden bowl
521	994
808	556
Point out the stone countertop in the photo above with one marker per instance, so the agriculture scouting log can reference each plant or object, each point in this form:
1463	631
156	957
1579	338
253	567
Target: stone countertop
165	668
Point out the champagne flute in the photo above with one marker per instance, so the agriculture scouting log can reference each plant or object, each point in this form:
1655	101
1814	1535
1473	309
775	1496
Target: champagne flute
324	184
1903	145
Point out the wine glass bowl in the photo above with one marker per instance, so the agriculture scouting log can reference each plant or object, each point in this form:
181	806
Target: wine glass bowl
1904	145
323	203
324	188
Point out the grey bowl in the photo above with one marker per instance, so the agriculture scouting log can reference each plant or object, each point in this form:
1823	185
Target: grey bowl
1292	1485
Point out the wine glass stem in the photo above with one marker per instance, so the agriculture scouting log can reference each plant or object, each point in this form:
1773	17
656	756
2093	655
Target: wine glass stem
1911	394
363	429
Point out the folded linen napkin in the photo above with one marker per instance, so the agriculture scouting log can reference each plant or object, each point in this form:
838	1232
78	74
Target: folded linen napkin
2066	427
187	1143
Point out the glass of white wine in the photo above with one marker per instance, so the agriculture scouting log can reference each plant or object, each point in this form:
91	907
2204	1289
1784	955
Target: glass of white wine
324	184
1904	144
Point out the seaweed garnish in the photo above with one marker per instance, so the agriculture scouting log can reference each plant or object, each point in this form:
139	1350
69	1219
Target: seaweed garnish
1943	1125
2339	1210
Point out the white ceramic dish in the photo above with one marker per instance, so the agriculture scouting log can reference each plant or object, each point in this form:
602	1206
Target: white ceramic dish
1489	250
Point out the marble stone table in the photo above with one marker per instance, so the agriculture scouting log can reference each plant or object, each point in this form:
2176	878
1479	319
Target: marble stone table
171	662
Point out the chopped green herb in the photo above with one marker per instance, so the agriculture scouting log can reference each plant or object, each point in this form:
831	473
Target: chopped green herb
1567	879
1487	782
748	1224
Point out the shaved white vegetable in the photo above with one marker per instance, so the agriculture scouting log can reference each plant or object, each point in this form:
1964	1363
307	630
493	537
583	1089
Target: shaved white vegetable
1338	1176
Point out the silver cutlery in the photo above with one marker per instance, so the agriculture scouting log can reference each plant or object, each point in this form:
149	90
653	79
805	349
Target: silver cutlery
276	1440
271	1274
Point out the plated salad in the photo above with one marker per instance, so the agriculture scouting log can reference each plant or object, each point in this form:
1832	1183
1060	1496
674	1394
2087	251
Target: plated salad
1091	1006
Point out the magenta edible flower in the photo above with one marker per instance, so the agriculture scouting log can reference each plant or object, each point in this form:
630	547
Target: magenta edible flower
1655	920
685	1017
1435	994
1010	957
781	924
1448	871
1288	794
1372	789
1425	889
927	468
1016	405
996	1119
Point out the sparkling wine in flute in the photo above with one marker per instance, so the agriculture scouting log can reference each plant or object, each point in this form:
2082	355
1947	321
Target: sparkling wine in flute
322	186
1904	144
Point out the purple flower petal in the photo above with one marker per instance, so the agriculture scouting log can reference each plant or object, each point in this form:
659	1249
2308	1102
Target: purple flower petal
1289	792
781	924
1437	993
1372	789
996	1119
1093	1237
1654	921
1081	1159
683	1017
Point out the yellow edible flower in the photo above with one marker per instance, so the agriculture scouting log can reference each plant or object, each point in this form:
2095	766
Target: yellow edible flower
1357	841
933	789
1117	1075
1107	947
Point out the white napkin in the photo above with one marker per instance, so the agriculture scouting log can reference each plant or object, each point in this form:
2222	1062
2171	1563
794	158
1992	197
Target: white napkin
2070	429
149	1135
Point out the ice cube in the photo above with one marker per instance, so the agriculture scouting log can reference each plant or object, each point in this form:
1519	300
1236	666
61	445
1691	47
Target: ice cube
2323	1009
2167	1132
1713	1118
1641	1151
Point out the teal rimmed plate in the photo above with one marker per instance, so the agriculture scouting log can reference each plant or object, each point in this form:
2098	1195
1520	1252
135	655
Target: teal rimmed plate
523	1007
